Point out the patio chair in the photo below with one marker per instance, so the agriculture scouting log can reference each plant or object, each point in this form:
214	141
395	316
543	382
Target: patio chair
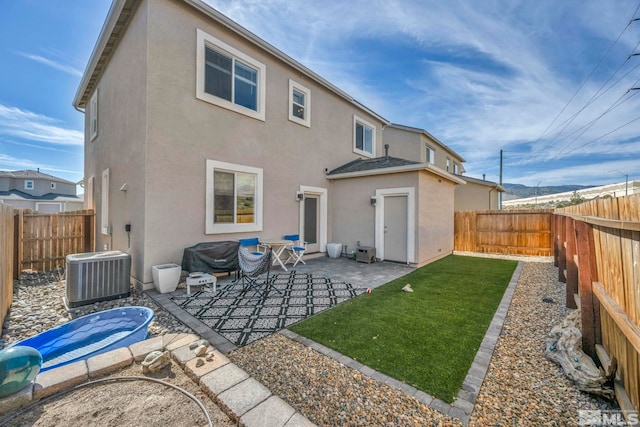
297	250
252	267
254	242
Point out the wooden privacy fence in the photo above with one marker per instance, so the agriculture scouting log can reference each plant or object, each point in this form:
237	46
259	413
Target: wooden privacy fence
43	240
6	259
597	249
504	232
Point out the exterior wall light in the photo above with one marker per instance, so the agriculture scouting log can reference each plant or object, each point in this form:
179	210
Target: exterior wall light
299	196
373	200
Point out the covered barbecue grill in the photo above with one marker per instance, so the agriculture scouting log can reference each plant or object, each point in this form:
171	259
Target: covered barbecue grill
211	257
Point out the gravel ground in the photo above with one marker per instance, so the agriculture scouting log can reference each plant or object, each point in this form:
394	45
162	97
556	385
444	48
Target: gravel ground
522	388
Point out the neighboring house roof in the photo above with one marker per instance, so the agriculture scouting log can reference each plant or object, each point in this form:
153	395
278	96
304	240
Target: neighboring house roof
31	174
386	165
119	15
436	140
483	182
17	194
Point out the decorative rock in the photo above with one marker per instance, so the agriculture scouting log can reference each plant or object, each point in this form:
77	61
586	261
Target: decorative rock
199	363
407	288
201	350
155	361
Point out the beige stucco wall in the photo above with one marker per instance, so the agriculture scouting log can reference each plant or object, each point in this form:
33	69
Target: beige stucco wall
183	132
120	144
354	217
473	197
435	203
404	144
407	144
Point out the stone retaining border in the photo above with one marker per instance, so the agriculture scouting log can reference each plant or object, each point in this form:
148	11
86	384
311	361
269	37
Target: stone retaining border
241	397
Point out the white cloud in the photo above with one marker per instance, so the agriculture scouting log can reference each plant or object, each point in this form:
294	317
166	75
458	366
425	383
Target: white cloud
32	126
483	76
53	64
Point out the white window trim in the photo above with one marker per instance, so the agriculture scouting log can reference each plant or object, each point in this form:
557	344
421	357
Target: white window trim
362	121
430	149
307	104
204	39
93	115
104	205
210	226
26	184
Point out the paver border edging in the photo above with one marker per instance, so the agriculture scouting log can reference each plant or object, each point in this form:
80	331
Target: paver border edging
464	403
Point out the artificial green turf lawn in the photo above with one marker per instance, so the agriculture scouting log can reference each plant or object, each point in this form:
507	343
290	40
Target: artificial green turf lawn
427	338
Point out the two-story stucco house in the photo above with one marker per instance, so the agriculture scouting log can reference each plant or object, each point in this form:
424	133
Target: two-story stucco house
29	189
197	130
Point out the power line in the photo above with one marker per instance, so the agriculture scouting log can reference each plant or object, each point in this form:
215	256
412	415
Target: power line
588	126
596	96
606	134
587	78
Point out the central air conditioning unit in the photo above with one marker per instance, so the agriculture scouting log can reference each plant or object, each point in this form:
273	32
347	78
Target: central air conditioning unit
97	276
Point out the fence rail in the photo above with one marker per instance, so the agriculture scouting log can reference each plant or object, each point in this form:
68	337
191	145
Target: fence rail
597	252
43	240
504	232
6	259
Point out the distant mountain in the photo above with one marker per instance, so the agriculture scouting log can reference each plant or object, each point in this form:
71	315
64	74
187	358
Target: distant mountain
519	191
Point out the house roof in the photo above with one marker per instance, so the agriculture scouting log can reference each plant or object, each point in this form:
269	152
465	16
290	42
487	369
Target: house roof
17	194
31	174
386	165
360	165
483	182
114	27
428	135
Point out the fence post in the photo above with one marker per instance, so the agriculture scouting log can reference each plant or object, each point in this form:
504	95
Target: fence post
554	237
587	274
570	263
562	260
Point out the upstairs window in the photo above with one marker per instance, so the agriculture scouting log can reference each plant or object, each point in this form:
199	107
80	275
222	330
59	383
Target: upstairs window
228	78
299	101
448	164
431	155
456	169
364	137
29	185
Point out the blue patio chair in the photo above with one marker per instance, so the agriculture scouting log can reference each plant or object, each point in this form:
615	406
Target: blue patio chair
297	250
254	242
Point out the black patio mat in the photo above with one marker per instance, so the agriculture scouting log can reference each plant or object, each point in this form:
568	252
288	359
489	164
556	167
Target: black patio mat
243	317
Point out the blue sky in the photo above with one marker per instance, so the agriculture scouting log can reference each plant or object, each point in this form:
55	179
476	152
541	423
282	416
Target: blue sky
543	81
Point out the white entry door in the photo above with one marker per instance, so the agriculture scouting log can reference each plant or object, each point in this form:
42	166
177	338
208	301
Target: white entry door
395	228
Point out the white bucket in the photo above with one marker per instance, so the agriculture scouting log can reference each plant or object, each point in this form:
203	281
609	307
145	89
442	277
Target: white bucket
334	250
